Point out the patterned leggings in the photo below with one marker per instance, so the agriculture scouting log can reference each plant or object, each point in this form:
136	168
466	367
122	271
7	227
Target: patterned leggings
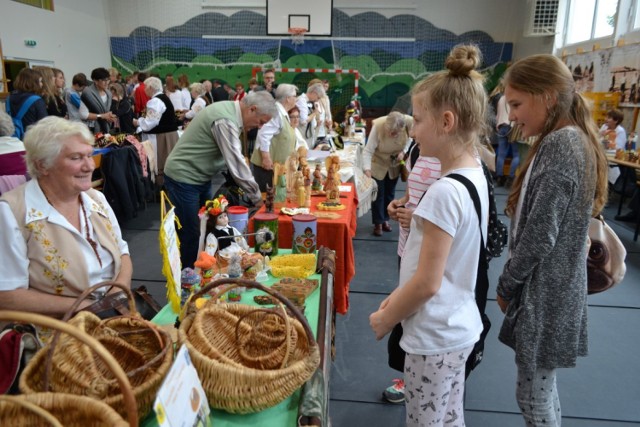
434	388
537	395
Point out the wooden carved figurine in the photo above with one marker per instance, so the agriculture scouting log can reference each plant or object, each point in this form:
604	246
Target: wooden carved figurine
316	184
331	185
291	167
268	203
300	190
280	182
307	189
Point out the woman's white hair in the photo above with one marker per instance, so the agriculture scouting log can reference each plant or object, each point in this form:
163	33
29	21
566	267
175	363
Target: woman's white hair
153	83
43	141
317	88
6	124
198	88
285	90
395	122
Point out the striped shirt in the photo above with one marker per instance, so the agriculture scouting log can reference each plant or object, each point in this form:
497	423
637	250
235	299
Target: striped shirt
425	172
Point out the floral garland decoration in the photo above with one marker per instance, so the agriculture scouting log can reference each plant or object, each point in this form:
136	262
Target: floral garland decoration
214	207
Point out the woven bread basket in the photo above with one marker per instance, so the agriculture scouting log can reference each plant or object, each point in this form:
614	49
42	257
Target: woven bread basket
68	409
143	350
248	359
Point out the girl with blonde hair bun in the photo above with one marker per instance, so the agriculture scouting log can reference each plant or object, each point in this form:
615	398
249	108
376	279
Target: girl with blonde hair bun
543	288
435	299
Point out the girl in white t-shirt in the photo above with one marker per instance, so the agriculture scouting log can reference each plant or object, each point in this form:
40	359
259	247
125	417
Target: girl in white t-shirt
435	300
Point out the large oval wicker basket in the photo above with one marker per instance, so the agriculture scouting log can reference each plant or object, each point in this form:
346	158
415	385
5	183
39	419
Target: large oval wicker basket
67	409
248	359
142	349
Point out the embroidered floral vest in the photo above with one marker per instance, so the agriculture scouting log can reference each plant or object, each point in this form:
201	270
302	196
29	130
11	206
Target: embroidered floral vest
56	263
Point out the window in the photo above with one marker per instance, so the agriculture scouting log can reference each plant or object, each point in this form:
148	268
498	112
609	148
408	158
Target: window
42	4
636	22
590	19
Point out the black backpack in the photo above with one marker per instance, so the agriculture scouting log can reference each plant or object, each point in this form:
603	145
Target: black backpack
497	232
482	278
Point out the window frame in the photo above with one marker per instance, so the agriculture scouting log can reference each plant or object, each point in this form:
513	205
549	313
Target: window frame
572	4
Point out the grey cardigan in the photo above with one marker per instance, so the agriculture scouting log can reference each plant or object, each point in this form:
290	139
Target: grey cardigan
91	97
545	279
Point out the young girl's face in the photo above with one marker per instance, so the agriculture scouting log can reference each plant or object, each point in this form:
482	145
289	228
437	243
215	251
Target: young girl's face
59	80
527	110
424	130
222	220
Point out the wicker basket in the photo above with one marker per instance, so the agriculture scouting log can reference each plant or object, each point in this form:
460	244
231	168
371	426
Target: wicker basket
67	409
142	349
248	359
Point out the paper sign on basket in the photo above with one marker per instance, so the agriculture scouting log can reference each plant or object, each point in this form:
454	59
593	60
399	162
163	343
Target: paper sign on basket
344	188
181	401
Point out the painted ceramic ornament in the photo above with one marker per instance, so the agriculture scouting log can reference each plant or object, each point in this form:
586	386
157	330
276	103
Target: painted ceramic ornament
266	228
304	234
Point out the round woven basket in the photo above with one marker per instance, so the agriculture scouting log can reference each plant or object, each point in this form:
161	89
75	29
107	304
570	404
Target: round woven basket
248	359
67	409
143	350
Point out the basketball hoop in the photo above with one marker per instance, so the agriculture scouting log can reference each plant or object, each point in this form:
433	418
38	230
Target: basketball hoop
297	35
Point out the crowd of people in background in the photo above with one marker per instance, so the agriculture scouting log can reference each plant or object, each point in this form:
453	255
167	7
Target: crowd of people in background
196	133
154	109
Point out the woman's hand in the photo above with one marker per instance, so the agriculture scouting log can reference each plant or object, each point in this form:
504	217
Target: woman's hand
368	173
503	304
110	117
266	162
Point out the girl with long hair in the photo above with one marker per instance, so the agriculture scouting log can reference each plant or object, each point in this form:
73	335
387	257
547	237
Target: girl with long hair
543	288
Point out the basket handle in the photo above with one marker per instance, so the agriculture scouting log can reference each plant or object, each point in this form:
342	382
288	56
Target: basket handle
40	320
32	407
85	294
163	337
72	310
287	331
255	285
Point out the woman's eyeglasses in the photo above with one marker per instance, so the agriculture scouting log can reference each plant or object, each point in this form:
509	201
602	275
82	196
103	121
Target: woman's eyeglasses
294	117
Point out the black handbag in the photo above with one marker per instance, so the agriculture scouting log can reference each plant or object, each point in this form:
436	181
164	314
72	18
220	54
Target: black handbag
396	353
117	304
235	195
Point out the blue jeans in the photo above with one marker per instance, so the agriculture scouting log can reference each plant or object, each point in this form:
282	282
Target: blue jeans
386	193
504	146
187	199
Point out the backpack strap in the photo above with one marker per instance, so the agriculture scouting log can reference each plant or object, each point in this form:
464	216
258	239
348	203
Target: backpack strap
482	282
24	107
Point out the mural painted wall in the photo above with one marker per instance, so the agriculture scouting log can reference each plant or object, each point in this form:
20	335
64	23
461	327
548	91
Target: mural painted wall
226	48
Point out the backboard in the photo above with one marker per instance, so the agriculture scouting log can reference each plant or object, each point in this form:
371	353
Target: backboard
315	16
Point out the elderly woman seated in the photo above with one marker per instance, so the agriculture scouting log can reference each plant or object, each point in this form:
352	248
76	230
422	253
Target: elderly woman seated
59	235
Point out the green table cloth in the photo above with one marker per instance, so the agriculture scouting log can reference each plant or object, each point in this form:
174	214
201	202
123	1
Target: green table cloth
285	413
